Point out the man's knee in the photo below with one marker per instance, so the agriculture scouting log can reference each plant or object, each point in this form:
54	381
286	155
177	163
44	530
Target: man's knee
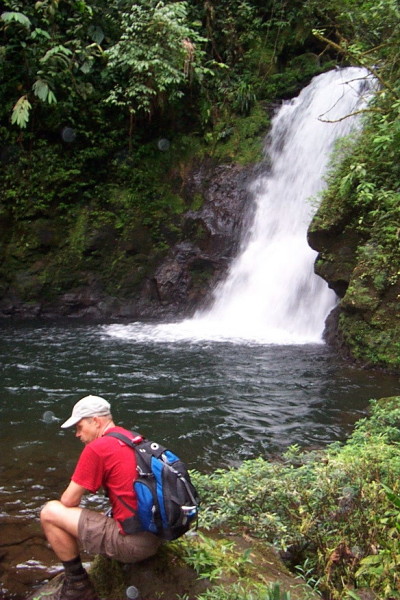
56	514
51	511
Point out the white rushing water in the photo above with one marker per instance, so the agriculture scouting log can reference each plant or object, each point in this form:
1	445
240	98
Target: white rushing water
271	294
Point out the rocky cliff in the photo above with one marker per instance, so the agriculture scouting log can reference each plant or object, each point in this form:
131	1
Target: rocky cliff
96	270
363	270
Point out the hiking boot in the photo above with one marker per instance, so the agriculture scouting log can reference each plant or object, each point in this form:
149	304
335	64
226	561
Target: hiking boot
72	587
77	587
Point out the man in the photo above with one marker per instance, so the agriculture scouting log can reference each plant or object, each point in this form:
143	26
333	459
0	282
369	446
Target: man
104	462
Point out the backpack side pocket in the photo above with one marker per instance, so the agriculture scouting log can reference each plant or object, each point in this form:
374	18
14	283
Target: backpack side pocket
148	512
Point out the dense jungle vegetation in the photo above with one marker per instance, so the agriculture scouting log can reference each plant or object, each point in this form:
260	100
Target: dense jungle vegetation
105	106
335	513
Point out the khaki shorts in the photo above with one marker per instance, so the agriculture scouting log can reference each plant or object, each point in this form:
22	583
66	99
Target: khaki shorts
99	534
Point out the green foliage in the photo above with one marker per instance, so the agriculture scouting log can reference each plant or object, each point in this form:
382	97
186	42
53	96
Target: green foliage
251	592
115	222
46	181
16	17
376	344
240	139
212	558
48	55
43	92
158	52
330	510
380	566
232	572
20	114
393	498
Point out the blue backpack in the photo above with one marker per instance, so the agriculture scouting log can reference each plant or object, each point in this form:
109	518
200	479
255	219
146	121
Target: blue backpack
168	503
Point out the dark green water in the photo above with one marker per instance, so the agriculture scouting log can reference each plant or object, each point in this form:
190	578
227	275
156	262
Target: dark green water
215	403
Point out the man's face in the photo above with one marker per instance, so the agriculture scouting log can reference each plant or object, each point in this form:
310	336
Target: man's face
86	430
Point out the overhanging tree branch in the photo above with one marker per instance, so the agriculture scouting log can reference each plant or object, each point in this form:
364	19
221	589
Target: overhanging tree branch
358	59
353	114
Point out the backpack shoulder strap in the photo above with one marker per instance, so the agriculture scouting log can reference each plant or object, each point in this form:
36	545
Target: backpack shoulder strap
124	438
140	443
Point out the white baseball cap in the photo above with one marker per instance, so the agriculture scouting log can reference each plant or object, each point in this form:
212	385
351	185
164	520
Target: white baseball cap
89	406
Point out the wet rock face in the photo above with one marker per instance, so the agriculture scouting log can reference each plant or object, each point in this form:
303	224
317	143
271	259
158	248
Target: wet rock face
212	235
362	268
174	285
226	202
337	256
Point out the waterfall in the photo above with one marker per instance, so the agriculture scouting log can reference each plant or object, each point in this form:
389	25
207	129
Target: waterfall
271	293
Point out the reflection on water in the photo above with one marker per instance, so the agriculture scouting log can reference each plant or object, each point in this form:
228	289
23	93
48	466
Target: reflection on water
214	403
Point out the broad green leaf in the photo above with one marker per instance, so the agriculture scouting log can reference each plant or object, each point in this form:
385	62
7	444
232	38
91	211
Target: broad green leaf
16	17
394	498
51	99
43	92
41	89
20	113
58	53
40	33
372	559
352	595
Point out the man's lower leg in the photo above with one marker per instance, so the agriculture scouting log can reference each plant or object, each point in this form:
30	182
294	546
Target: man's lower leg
74	566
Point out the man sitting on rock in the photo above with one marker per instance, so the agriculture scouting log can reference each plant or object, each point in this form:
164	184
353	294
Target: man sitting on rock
104	462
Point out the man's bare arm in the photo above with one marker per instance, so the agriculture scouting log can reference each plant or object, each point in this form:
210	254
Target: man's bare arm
73	494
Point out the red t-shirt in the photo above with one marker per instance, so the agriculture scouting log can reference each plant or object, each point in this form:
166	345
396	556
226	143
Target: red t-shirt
109	463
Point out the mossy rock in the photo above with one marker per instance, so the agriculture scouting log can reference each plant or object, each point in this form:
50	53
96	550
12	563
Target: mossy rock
168	576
